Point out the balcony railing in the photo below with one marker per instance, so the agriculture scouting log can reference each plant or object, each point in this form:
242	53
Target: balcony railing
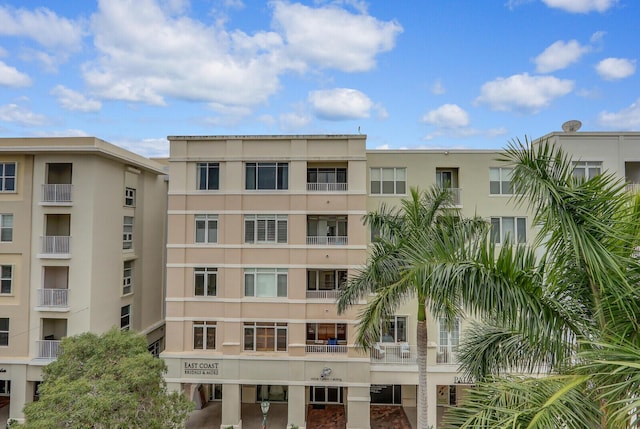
633	188
324	240
56	244
53	297
446	354
327	349
394	354
48	349
323	294
327	187
456	195
57	193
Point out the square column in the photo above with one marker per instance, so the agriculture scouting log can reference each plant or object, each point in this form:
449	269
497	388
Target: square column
297	406
358	411
231	408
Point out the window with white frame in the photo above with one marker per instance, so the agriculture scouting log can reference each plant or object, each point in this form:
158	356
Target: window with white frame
205	281
125	317
127	232
204	335
394	330
6	279
129	197
266	175
127	277
388	180
6	227
323	332
265	336
4	331
265	282
586	170
7	176
206	228
265	228
508	226
208	176
449	339
500	181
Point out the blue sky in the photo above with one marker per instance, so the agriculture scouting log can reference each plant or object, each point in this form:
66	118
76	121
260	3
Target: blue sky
409	74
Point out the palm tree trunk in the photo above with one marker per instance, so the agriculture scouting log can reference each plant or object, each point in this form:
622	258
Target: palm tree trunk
422	339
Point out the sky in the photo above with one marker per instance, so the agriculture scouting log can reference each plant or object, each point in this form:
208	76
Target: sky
410	74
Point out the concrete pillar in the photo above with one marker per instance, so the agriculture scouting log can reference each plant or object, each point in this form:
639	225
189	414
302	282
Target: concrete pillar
19	392
432	398
358	412
297	406
231	407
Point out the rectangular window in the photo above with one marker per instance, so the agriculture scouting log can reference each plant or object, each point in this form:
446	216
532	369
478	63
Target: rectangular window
327	175
205	281
6	227
513	227
127	232
388	181
7	176
326	279
127	277
265	336
125	317
586	170
394	330
265	282
267	175
500	181
265	229
206	228
129	197
323	332
208	176
449	339
204	335
6	279
4	331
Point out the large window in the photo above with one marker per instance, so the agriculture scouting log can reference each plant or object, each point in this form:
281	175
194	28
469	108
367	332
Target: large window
586	170
265	228
265	282
204	335
449	339
208	175
388	180
4	331
265	336
500	181
127	277
6	279
125	317
267	175
513	227
6	227
205	281
325	395
206	228
127	232
323	332
394	330
327	179
129	197
7	176
326	279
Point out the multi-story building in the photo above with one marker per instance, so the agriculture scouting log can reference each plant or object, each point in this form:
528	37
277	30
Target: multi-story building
82	231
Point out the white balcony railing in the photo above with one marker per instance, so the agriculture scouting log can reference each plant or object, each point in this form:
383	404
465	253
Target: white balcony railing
57	193
56	244
53	297
323	294
327	349
327	187
456	195
446	354
48	349
633	188
324	240
394	354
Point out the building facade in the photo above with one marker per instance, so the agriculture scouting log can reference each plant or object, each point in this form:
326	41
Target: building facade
82	231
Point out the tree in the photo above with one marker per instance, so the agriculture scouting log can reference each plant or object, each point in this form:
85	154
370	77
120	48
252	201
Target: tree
107	381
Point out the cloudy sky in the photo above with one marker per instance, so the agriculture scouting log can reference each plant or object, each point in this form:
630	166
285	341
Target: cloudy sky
409	74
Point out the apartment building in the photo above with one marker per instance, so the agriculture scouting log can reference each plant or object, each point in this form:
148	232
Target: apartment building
82	232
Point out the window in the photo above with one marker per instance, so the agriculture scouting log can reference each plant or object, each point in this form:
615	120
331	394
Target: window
265	229
395	330
204	335
129	197
323	332
154	348
444	179
586	170
206	229
208	176
388	181
4	331
127	233
265	282
327	179
449	339
7	176
513	227
6	279
265	336
205	281
325	394
127	277
326	280
500	181
125	317
267	175
6	227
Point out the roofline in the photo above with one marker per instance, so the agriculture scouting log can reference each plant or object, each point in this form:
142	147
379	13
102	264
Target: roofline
271	137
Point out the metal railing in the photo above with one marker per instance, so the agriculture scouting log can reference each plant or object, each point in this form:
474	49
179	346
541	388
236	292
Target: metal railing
327	187
446	354
324	240
394	354
56	244
324	348
48	349
50	297
57	193
323	294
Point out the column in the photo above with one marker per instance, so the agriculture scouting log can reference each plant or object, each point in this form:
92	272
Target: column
231	408
297	406
19	392
358	412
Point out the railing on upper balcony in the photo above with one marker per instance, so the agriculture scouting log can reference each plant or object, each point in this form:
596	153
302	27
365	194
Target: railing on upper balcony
56	244
57	193
446	354
331	294
456	195
48	349
324	240
394	354
327	187
327	349
50	297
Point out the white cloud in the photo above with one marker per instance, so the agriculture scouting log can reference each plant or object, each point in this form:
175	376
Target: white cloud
598	36
62	133
73	100
331	37
293	121
11	77
447	116
625	119
150	147
21	115
340	104
438	88
461	133
523	92
581	6
560	55
616	68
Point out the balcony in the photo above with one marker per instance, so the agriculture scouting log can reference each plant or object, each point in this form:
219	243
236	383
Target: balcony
446	355
324	240
330	295
55	246
394	354
57	194
323	178
326	349
55	298
327	187
633	188
47	349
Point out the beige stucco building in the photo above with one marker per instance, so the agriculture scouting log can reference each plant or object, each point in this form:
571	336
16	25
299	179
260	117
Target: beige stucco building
82	226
